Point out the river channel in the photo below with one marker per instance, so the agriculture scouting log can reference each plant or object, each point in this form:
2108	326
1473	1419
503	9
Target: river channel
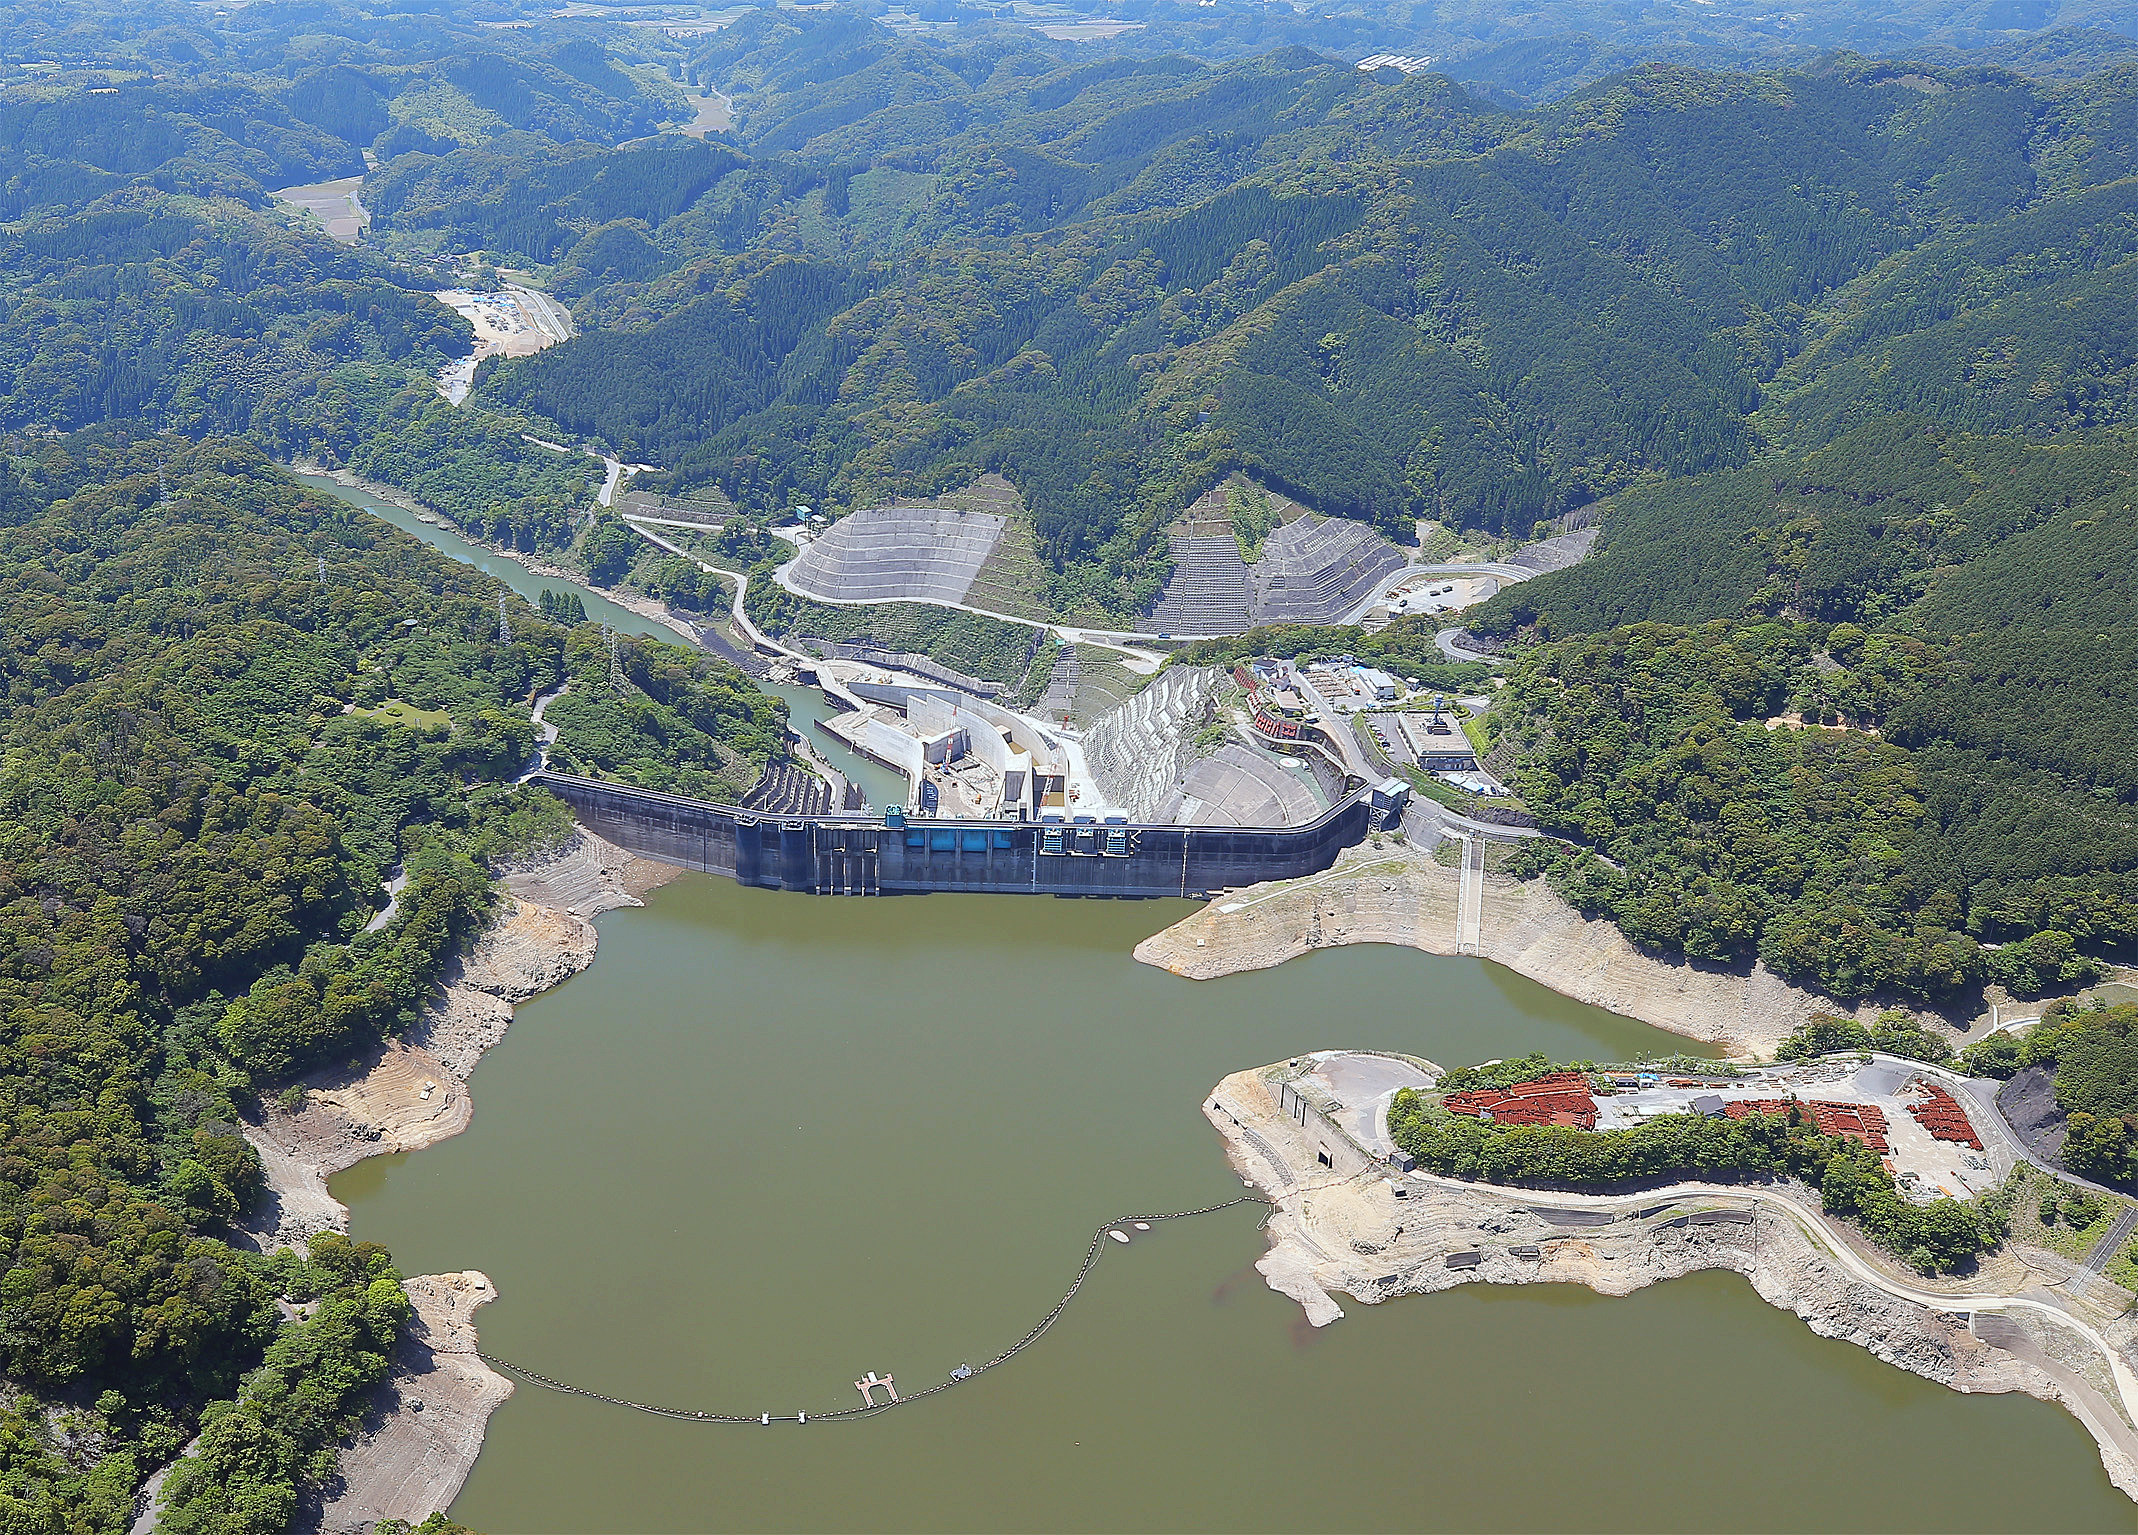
769	1142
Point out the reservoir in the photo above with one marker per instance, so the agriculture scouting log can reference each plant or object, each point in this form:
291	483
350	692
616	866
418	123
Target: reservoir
771	1142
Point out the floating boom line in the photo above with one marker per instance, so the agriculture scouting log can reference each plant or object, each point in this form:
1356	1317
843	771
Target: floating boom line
959	1377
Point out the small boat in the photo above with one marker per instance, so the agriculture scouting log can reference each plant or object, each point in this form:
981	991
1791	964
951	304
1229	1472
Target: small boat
1118	1236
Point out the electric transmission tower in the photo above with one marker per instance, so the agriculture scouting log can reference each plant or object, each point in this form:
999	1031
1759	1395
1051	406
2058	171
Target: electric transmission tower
504	624
616	665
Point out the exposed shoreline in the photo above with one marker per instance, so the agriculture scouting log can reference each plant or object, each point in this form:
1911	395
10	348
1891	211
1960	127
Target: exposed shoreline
1342	1229
425	1426
1399	894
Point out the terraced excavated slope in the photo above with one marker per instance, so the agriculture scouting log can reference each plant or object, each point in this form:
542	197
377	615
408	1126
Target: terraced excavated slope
899	554
1308	570
1208	590
975	547
1316	570
1142	752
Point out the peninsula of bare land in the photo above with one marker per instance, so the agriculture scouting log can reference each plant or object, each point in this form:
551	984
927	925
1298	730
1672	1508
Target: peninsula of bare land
1755	390
1356	1215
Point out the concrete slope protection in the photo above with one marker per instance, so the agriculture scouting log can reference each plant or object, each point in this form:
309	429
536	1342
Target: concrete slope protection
1314	570
898	554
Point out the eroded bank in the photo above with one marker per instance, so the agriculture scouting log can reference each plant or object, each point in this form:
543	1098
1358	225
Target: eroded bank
426	1423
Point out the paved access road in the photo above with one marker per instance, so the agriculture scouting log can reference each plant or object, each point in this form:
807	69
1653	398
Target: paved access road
1135	658
2115	1237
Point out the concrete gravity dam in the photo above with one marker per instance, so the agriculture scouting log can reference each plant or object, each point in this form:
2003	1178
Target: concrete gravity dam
894	855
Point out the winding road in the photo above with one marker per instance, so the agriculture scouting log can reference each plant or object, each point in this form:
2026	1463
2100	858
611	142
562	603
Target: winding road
1144	662
1124	640
742	586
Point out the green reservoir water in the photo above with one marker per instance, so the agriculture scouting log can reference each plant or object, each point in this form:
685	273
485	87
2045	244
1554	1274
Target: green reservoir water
506	569
771	1142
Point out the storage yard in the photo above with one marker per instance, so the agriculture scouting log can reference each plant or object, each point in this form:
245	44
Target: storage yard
515	322
1925	1135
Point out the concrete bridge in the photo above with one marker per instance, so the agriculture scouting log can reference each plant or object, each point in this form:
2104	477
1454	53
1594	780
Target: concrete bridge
856	855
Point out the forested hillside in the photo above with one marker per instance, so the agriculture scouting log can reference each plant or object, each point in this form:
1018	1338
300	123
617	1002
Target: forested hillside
1113	276
147	275
1898	751
228	708
197	806
1116	281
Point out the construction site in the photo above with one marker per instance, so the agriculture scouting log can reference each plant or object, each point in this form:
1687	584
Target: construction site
1308	570
1922	1133
1088	726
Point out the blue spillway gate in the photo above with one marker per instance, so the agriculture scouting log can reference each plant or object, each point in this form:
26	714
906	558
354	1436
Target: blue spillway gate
848	854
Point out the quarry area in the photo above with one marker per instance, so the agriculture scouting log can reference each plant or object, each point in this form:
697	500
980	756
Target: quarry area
1241	557
1353	1217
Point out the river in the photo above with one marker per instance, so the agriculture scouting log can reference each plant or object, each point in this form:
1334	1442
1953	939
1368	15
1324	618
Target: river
805	705
769	1142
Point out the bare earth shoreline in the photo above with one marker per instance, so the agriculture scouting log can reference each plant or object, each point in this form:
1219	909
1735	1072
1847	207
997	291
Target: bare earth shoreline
1399	894
425	1427
412	1459
1343	1229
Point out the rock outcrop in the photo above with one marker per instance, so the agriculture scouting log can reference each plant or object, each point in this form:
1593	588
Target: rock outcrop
1333	1232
